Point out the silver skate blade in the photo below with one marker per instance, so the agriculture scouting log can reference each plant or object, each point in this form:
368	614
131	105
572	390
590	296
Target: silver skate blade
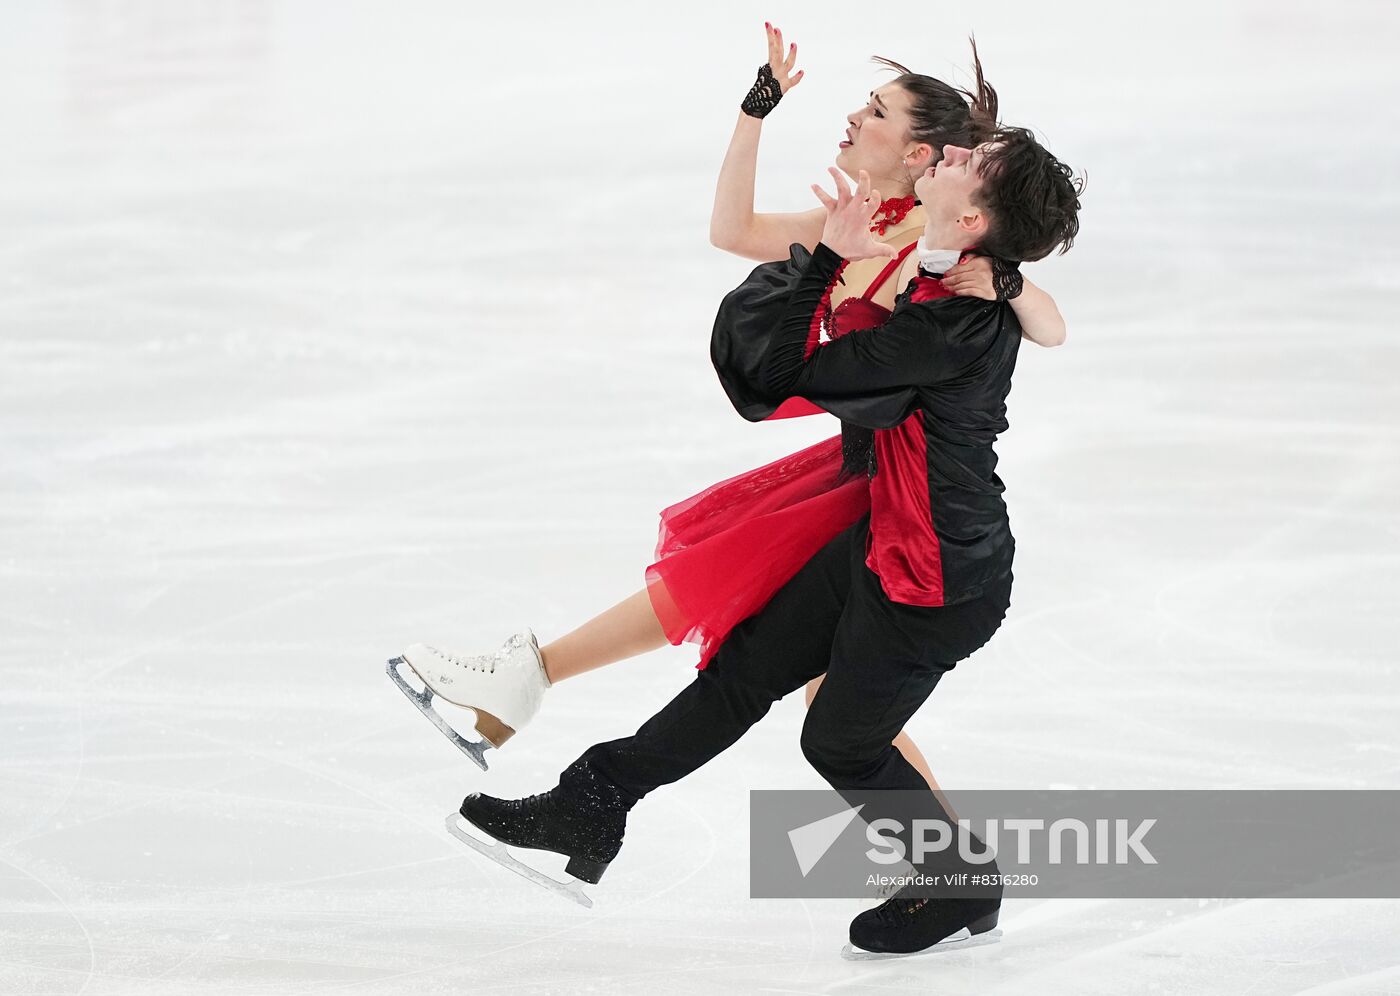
960	939
496	851
474	749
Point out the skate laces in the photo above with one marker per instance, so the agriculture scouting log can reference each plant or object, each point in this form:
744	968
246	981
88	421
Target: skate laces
543	806
900	908
485	662
480	662
583	805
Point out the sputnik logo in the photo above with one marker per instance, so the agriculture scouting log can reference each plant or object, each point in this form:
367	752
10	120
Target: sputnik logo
812	840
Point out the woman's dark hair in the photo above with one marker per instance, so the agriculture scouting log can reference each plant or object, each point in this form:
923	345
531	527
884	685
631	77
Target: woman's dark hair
1031	198
944	114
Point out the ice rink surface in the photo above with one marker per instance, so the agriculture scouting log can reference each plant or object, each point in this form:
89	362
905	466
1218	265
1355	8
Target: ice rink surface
329	327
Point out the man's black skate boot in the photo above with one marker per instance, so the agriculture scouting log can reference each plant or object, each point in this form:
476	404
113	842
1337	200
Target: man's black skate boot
907	923
587	827
921	914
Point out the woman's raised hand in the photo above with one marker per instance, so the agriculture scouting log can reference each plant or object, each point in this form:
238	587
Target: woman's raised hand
971	277
781	63
991	280
847	229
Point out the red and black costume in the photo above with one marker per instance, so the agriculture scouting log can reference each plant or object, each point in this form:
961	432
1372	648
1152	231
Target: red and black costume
939	533
721	554
931	381
895	600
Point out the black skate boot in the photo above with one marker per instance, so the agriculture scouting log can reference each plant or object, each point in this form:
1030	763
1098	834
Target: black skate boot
908	923
589	836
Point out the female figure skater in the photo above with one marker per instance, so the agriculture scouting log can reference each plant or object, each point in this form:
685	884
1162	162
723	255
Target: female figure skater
724	552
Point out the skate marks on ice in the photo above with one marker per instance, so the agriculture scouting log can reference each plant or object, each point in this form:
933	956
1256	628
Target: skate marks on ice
497	852
474	749
962	938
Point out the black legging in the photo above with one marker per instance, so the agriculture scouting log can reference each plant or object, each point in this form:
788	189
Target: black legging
881	659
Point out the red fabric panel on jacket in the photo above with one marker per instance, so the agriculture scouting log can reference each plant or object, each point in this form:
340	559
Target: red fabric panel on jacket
928	289
902	547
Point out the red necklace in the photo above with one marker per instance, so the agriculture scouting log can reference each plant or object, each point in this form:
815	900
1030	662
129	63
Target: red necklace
891	212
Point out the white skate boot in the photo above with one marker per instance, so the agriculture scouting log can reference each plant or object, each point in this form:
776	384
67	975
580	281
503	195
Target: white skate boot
503	689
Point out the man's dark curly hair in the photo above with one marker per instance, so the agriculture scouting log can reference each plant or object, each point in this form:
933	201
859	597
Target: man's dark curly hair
1031	198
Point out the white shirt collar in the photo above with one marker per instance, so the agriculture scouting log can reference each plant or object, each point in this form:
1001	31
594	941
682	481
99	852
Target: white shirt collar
936	261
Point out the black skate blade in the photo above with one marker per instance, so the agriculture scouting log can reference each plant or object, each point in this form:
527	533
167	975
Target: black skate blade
497	852
963	938
423	699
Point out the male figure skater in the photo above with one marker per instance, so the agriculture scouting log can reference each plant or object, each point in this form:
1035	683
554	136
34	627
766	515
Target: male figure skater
896	600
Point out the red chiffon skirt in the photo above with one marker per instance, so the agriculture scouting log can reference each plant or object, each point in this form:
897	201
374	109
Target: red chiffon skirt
722	554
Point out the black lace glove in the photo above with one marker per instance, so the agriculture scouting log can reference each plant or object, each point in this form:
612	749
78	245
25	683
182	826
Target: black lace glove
1006	278
764	95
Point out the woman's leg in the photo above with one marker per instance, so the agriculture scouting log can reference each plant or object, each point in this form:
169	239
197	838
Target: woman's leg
627	629
902	743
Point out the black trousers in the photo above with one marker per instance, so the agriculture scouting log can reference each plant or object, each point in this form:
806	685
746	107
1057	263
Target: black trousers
882	659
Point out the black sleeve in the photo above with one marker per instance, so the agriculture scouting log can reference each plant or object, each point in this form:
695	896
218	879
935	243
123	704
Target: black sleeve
761	331
743	326
908	351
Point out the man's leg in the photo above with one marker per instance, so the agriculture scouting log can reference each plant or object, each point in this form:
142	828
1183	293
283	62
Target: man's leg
765	657
886	660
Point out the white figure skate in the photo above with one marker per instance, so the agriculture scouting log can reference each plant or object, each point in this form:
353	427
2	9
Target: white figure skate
503	689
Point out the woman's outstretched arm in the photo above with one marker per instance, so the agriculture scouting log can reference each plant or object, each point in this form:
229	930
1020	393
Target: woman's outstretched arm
1039	316
734	226
1036	310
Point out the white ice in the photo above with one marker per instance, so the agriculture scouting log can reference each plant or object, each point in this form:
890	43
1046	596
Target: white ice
329	327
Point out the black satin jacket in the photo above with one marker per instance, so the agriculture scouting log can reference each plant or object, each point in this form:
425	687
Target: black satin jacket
949	361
